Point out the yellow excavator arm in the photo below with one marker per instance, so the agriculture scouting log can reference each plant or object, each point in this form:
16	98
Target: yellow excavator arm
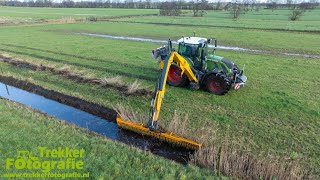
161	85
151	128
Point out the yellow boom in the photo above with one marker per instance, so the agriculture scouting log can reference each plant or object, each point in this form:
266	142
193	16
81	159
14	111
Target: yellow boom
151	128
185	69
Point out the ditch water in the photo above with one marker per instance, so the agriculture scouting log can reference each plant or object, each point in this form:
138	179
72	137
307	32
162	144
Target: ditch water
93	123
232	48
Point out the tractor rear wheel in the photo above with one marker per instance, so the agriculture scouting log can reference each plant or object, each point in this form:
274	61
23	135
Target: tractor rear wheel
175	78
217	84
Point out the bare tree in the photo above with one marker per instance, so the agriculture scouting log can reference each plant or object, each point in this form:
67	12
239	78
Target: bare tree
289	3
272	4
199	7
218	6
169	9
236	9
296	13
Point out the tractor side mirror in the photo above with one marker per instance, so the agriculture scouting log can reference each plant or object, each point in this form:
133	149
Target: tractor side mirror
209	40
202	45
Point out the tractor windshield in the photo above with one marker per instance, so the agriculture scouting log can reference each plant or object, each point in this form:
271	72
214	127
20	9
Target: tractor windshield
189	50
194	52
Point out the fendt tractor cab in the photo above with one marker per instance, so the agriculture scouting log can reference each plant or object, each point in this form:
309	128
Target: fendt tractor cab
214	73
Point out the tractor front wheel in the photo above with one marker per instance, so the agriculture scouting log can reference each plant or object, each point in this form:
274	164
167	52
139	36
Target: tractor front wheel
175	78
217	84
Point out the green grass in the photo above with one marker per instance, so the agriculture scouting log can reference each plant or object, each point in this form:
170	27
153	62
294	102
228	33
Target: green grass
267	14
265	40
55	13
276	113
263	19
24	129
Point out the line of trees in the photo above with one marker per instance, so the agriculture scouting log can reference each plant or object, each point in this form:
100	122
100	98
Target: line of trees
174	7
146	4
237	7
195	5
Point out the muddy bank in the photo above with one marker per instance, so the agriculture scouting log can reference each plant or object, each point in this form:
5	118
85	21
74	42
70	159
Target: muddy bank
128	16
231	48
31	22
18	21
62	20
124	89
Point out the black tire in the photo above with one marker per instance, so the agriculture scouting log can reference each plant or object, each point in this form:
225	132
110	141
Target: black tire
175	78
217	84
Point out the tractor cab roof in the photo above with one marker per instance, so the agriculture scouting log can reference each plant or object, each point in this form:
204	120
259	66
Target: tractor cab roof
192	40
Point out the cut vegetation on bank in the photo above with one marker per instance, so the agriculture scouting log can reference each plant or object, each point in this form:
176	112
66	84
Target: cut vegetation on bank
112	82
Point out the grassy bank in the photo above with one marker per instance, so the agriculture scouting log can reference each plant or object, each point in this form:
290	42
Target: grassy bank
25	129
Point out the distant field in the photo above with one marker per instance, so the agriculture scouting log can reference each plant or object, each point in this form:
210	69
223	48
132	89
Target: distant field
54	13
255	39
264	14
263	19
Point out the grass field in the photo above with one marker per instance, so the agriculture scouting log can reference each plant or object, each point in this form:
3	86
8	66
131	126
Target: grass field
276	114
53	13
265	40
263	19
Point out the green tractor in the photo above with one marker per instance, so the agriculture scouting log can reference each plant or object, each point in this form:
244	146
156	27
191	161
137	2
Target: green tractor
214	73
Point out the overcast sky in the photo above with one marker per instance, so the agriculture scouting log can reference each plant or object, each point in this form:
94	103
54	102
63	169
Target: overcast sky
278	1
261	1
